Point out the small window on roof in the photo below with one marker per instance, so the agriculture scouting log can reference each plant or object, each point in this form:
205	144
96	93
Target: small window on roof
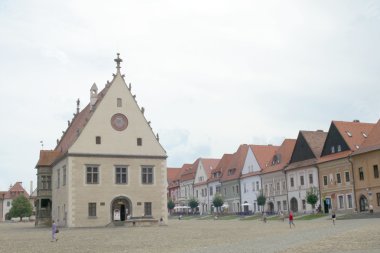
332	149
357	146
349	133
364	135
339	148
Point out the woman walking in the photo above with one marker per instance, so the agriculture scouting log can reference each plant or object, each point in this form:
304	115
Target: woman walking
53	232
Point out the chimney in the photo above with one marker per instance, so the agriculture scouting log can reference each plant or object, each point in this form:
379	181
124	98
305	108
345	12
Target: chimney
319	130
356	121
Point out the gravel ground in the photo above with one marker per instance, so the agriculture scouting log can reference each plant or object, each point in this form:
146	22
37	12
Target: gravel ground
189	236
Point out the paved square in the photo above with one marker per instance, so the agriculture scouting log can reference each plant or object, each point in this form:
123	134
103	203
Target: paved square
359	235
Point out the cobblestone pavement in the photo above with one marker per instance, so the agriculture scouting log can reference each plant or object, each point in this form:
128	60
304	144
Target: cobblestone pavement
189	236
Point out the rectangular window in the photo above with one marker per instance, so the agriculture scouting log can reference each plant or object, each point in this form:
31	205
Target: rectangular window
139	141
211	191
340	202
349	200
284	205
92	175
257	186
92	209
64	175
278	186
148	209
8	203
119	102
217	189
291	182
283	185
196	193
325	180
98	140
310	178
147	175
304	204
338	179
347	175
58	177
375	171
245	188
361	174
121	175
302	180
237	189
378	198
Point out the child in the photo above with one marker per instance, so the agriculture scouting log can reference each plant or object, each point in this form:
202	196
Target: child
333	217
291	220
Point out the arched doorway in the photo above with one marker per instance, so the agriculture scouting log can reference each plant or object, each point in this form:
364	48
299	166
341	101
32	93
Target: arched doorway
294	205
271	207
363	203
121	205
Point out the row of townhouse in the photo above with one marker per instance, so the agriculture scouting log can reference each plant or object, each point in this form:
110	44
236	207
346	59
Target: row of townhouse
341	164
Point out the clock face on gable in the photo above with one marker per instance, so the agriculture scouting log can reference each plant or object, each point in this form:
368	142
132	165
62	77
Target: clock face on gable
119	122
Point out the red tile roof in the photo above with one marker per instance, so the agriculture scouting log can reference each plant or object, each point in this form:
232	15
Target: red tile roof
47	157
172	173
371	143
210	164
283	154
236	164
334	156
220	167
264	154
189	172
315	140
353	133
15	191
78	123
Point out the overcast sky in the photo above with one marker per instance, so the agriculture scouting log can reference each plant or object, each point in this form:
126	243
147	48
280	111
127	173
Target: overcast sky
210	74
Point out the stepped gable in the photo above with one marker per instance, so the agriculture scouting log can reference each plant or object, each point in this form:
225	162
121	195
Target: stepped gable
236	165
282	156
220	167
353	133
371	143
47	157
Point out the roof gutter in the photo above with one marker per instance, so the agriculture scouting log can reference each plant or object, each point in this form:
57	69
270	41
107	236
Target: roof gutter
353	180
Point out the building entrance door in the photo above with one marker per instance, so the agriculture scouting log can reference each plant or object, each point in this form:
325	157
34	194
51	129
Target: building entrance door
123	205
363	203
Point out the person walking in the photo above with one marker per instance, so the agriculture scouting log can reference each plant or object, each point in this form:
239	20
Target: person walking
333	217
291	220
53	232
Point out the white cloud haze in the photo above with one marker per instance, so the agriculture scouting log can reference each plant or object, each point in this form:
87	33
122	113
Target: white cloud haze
211	74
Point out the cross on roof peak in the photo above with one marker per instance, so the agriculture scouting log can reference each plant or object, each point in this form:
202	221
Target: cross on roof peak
118	60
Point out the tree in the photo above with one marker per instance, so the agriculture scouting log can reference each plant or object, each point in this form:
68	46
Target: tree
312	196
193	203
218	201
261	199
170	205
21	207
